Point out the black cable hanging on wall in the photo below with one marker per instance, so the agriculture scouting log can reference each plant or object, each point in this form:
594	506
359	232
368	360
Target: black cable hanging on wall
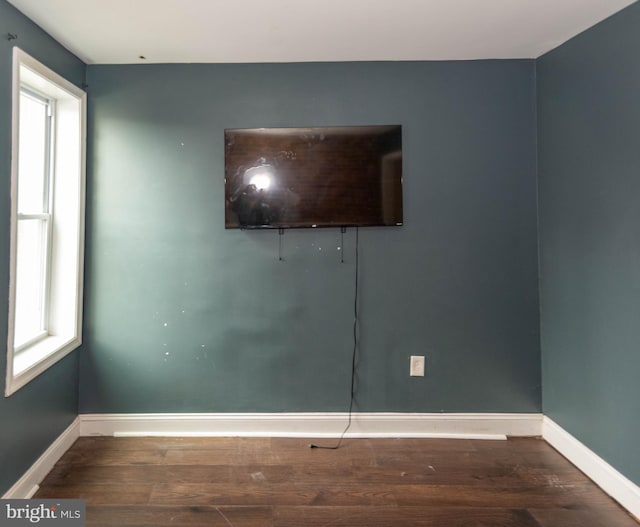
354	353
280	238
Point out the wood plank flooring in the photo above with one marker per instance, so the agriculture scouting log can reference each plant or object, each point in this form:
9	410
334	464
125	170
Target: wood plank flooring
279	482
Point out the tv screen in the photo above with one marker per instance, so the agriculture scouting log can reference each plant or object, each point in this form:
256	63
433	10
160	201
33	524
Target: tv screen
313	177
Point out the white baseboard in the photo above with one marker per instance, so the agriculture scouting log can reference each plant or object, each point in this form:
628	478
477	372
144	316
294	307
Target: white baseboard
27	485
469	426
624	491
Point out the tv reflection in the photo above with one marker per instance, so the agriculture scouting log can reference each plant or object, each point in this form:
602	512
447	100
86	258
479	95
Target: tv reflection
260	199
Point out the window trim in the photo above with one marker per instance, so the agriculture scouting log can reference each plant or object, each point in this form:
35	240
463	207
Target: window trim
27	362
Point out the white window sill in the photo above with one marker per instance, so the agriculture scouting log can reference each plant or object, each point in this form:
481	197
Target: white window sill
32	361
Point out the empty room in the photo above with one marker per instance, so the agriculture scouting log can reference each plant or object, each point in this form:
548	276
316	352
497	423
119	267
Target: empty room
278	263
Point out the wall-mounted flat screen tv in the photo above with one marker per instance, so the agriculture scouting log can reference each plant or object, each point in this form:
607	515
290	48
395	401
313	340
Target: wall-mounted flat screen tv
313	177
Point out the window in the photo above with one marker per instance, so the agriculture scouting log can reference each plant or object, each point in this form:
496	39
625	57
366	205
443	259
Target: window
47	220
34	218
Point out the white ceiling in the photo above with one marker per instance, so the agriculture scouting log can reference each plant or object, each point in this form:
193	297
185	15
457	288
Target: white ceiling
119	31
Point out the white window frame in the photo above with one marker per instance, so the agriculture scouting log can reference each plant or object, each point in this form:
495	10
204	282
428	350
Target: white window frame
64	302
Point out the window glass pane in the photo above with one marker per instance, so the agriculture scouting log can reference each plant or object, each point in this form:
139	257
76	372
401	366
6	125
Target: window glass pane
32	153
30	284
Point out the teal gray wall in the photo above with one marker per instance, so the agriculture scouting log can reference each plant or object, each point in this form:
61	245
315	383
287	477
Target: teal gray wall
183	315
35	415
589	186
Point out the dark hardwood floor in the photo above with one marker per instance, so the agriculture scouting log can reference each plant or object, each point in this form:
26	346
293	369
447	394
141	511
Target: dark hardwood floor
367	482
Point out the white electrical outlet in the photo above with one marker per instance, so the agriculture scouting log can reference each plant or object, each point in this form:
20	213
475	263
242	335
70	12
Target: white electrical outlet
417	366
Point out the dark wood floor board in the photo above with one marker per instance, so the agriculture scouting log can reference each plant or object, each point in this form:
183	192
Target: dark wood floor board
111	456
401	516
217	457
272	494
367	451
187	516
537	496
302	455
546	459
477	477
108	443
280	482
298	451
229	475
97	443
139	474
295	445
98	494
613	516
